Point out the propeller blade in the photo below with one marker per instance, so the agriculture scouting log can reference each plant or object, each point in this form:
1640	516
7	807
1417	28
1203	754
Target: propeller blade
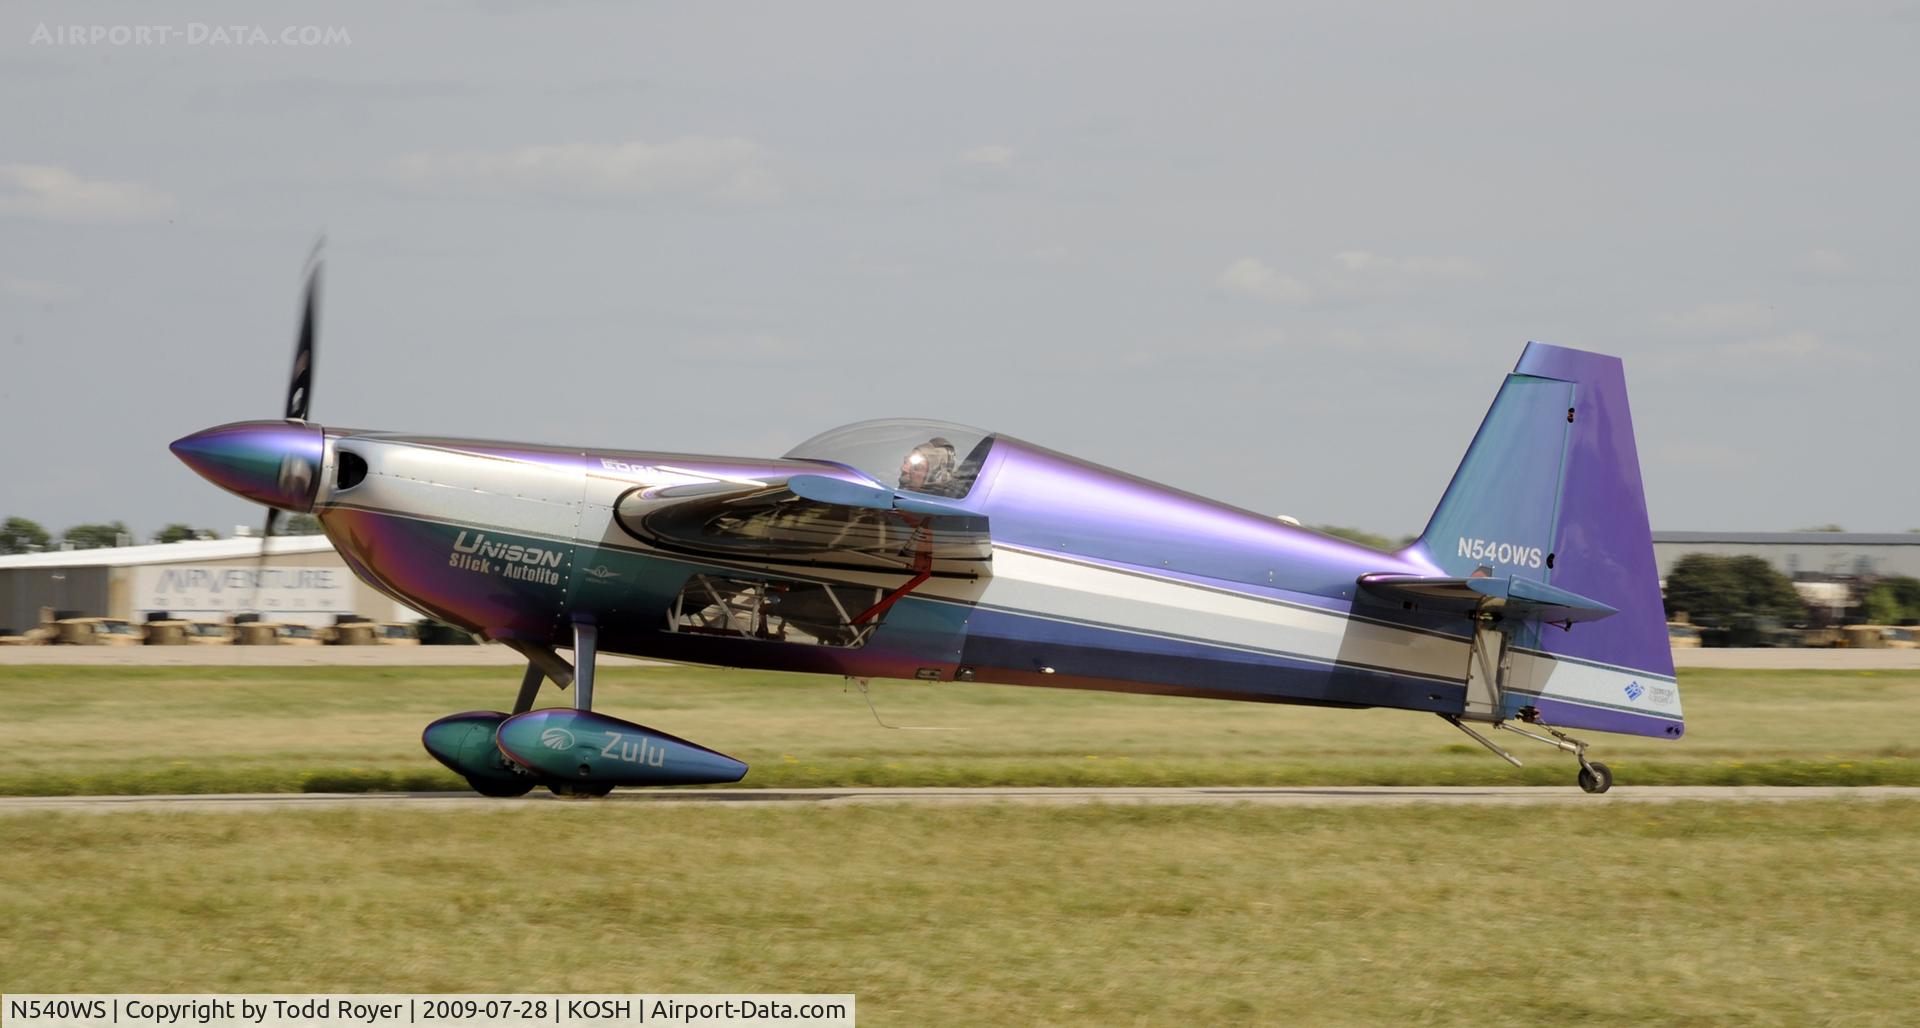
300	388
260	562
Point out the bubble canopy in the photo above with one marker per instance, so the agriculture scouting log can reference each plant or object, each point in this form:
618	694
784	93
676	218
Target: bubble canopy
938	458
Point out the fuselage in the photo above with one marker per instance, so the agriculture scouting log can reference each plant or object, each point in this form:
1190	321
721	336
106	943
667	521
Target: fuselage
1041	569
1083	577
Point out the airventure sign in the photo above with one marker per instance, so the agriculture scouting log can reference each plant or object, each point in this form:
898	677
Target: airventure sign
194	590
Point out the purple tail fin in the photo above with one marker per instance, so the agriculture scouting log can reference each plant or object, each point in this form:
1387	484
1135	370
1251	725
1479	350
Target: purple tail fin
1554	468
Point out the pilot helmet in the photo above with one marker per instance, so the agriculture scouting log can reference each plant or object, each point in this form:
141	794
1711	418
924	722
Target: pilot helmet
937	456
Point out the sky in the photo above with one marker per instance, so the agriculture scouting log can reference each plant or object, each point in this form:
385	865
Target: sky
1276	253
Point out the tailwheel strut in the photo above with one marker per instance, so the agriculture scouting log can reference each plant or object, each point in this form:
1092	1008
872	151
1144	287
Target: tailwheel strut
1594	776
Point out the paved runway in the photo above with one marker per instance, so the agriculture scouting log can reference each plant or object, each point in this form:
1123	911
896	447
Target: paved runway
284	656
1331	796
1798	660
500	656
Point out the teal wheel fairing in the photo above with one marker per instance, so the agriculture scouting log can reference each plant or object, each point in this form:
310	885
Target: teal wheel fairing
465	744
593	749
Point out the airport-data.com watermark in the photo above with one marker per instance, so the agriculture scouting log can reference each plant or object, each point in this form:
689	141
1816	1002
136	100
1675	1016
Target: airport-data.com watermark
193	33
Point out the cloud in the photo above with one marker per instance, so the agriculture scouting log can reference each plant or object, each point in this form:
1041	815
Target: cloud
1696	454
1184	352
993	156
1711	319
1350	273
275	97
1746	335
1405	340
1366	262
38	289
1827	263
1760	355
1250	276
1253	343
723	168
1801	345
749	346
45	192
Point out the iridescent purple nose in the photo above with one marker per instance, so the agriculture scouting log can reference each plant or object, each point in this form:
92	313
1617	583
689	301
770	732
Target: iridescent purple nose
276	463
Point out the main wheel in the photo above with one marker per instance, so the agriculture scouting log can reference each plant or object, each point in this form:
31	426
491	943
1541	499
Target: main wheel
500	788
1596	777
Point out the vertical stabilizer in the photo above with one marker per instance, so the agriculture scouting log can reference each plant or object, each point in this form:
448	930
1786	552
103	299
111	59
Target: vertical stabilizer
1550	491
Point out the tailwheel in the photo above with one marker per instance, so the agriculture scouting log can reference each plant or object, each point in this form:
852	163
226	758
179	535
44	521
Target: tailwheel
504	789
1595	777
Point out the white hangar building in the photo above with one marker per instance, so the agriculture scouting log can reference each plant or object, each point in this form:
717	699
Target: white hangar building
301	581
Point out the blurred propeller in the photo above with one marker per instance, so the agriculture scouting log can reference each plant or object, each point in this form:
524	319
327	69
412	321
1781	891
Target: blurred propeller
299	393
300	387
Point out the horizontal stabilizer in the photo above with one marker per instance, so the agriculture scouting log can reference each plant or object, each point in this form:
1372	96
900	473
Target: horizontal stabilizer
1522	598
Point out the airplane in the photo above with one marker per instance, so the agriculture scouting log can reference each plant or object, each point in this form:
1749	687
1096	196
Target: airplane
931	551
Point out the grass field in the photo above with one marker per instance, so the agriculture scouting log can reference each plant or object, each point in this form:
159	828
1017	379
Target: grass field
1604	914
145	730
1800	913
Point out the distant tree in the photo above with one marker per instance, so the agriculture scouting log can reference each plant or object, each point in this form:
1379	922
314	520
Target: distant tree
18	535
1879	607
179	532
1712	589
1821	528
94	537
1355	535
1907	590
299	524
1892	600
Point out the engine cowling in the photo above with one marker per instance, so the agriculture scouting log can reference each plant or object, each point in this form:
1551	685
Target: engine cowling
588	749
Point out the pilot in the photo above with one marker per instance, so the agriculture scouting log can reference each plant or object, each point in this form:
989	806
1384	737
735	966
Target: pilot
928	468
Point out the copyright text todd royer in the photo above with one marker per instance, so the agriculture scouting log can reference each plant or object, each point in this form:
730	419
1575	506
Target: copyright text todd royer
421	1010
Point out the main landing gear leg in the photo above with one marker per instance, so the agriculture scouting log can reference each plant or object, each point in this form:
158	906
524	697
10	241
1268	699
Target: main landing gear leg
1594	777
529	688
586	643
586	646
542	662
